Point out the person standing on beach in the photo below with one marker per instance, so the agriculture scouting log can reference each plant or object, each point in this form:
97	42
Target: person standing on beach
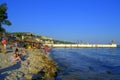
46	48
4	42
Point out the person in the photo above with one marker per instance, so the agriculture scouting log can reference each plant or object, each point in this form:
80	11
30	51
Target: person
46	48
23	50
16	56
24	54
4	42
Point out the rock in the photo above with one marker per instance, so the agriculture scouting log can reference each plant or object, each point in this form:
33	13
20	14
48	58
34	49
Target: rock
28	76
109	72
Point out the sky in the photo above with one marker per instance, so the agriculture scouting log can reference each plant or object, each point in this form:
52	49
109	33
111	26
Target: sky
91	21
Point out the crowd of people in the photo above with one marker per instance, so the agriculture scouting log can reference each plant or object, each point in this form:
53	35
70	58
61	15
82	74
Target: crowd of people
22	46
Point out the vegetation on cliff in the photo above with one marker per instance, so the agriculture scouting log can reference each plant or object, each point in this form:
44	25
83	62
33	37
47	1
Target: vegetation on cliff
62	42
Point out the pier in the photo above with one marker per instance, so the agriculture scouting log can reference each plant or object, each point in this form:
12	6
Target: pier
82	45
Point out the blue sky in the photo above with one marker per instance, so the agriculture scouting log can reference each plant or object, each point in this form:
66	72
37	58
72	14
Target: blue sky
93	21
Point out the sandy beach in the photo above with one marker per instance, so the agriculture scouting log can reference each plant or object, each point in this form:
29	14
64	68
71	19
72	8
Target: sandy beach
37	66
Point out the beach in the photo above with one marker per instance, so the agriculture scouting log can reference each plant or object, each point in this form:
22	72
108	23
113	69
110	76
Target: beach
37	66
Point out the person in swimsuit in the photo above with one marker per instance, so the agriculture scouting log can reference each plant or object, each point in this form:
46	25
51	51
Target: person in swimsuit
16	56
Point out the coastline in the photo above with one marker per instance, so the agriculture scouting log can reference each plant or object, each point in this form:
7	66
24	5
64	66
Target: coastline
38	67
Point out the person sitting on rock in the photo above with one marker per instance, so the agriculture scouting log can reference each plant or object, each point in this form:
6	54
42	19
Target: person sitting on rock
24	54
16	56
23	51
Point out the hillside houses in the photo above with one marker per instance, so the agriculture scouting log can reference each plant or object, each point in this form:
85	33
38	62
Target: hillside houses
27	36
37	37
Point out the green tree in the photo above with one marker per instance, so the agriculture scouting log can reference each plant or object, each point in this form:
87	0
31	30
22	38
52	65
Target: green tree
3	17
18	34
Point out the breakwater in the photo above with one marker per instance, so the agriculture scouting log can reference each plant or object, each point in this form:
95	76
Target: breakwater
83	45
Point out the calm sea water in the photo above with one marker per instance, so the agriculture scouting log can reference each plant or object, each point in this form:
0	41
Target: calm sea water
87	63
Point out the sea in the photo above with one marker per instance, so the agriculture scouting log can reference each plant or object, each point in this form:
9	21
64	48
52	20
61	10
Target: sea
87	63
